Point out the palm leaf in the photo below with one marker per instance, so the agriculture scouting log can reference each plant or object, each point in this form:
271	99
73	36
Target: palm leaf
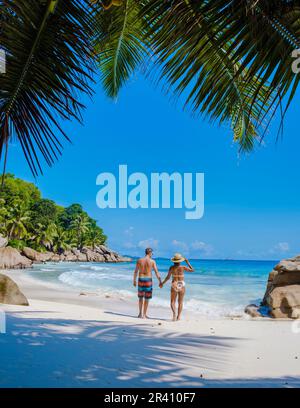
49	61
201	70
119	45
264	35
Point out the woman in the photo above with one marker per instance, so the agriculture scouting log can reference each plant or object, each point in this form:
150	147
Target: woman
178	283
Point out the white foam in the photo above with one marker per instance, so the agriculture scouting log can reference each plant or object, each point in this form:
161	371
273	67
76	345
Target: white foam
99	268
207	295
211	309
90	279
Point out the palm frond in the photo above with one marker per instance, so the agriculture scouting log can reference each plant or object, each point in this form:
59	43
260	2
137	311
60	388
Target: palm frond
49	61
263	36
119	44
199	69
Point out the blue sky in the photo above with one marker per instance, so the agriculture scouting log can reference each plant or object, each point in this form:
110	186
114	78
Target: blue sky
251	202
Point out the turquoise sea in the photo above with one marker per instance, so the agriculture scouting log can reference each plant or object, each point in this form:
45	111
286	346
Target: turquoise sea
216	288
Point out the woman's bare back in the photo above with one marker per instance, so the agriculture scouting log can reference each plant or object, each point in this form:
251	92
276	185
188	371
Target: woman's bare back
177	273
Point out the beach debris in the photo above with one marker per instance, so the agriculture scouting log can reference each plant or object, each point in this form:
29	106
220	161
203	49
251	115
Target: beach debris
253	310
88	294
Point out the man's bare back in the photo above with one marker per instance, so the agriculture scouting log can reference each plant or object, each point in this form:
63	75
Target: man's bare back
145	266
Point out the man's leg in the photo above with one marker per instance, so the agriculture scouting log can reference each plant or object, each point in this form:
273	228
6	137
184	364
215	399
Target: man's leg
180	302
141	307
148	296
173	305
146	304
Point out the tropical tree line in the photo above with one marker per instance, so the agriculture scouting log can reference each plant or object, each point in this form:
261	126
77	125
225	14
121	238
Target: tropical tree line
229	60
27	219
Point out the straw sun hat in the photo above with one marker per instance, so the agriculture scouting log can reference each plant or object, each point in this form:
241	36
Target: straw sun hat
177	258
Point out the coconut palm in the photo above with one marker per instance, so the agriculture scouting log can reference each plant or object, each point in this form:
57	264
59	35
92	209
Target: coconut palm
60	241
3	215
95	237
42	236
49	60
229	60
80	226
16	221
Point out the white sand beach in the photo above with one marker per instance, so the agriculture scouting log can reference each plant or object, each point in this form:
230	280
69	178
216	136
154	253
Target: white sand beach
64	339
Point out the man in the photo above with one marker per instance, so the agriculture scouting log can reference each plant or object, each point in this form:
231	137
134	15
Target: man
143	270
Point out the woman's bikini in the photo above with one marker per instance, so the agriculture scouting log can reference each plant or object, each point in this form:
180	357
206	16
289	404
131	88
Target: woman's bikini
178	285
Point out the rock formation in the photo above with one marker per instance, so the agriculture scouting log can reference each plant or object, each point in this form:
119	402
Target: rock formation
10	292
283	289
10	258
37	256
3	241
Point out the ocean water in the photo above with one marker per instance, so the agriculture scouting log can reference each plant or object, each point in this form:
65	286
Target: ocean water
217	287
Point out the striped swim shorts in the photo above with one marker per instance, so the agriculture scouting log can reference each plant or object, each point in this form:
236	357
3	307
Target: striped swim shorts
145	288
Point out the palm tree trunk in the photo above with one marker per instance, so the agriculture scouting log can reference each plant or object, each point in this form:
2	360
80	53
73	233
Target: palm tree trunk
6	132
11	232
4	166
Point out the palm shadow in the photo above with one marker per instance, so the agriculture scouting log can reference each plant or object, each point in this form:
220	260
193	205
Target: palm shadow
71	353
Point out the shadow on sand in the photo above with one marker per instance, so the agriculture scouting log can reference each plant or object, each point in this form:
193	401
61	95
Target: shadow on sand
70	353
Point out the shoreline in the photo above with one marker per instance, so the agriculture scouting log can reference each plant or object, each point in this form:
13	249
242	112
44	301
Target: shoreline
40	289
66	340
37	289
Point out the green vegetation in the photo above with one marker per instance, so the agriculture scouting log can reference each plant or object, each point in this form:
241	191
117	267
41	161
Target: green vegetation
228	60
27	219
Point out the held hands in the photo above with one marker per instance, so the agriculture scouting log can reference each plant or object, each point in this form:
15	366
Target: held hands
134	283
161	284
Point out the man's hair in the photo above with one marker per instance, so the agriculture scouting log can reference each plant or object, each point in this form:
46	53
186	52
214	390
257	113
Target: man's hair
148	251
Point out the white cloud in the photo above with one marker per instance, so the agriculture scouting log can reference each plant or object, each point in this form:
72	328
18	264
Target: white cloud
180	245
202	247
129	245
194	249
281	247
129	231
148	243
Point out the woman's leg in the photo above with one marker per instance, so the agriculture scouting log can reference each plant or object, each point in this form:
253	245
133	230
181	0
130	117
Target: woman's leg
180	302
173	303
